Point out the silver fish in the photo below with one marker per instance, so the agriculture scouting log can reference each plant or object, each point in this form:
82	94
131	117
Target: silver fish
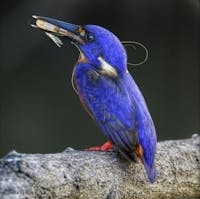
55	39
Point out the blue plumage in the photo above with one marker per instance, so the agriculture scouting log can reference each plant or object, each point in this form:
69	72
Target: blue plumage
107	45
108	91
120	111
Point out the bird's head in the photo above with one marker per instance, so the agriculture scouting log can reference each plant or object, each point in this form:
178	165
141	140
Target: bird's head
97	45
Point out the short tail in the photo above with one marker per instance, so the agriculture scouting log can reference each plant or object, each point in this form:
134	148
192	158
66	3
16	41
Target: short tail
150	169
151	172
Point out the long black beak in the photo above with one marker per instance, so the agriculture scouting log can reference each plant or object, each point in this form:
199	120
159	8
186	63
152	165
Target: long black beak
59	28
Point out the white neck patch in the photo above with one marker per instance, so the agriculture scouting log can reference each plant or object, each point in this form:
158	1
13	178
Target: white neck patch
107	69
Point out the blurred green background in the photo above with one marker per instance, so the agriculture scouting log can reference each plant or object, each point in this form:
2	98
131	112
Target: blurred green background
39	111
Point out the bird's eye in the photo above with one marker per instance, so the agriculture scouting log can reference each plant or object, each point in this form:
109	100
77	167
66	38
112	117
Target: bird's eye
89	37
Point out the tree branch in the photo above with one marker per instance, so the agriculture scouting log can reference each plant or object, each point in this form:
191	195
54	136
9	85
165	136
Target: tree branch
84	174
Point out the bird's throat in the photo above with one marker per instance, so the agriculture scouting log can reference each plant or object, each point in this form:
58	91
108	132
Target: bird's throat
82	58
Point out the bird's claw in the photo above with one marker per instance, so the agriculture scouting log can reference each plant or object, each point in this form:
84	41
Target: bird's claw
105	147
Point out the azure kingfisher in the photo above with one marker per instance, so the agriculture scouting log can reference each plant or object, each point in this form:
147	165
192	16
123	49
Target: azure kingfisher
107	91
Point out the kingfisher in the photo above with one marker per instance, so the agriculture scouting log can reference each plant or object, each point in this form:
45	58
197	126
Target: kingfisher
107	90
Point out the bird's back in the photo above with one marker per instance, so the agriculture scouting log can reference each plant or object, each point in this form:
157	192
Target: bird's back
120	111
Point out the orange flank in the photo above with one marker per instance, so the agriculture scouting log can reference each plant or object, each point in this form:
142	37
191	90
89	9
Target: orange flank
139	152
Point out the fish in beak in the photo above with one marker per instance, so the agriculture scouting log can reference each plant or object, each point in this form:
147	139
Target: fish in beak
55	29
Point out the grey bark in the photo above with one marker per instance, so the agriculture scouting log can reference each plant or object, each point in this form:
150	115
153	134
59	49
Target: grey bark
84	174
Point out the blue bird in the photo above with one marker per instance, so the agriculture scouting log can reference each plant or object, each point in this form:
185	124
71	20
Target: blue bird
107	90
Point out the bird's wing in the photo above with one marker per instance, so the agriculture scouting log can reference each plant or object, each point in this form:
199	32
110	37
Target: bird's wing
109	102
121	112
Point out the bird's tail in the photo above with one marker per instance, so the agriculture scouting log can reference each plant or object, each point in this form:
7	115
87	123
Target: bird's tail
151	172
150	168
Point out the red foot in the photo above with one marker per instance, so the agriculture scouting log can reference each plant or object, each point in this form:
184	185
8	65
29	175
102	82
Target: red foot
108	146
